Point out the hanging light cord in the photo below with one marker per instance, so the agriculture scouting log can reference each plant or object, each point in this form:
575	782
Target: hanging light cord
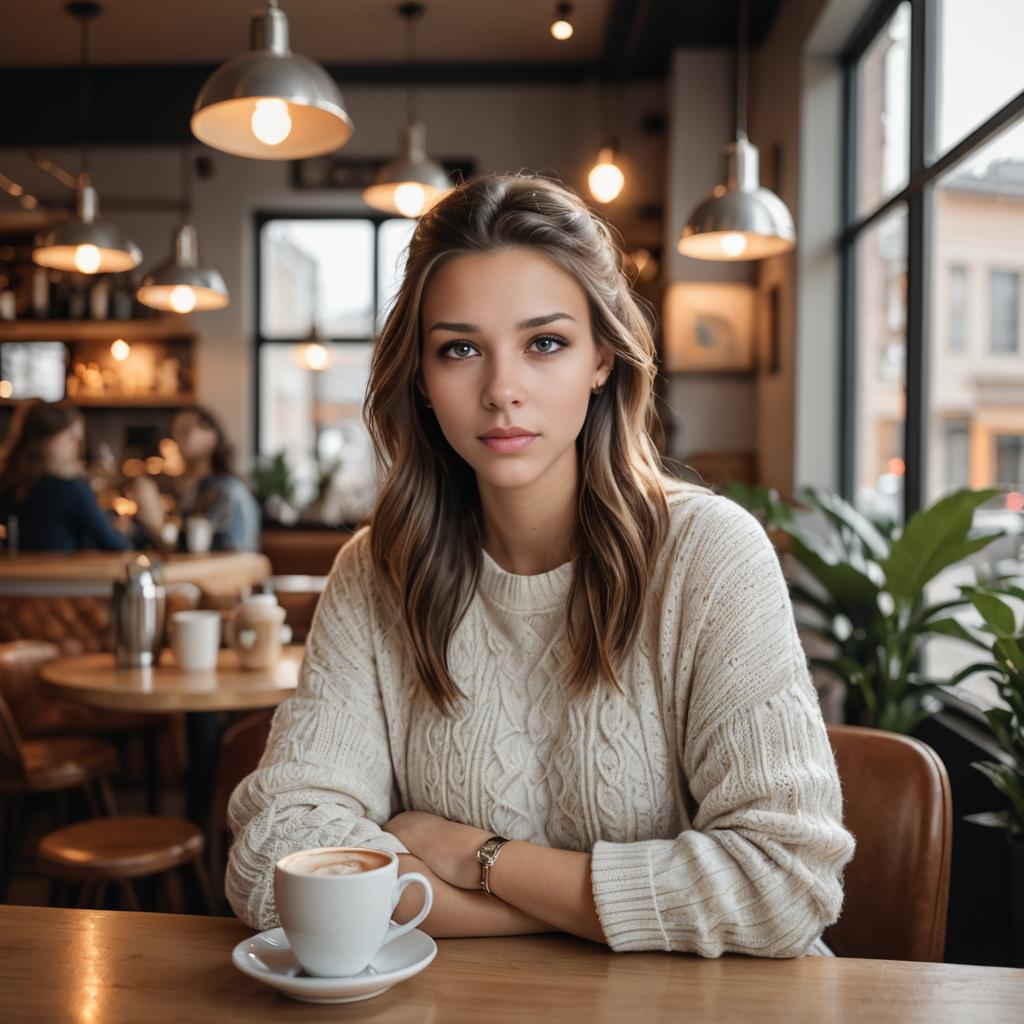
186	184
85	93
410	12
741	77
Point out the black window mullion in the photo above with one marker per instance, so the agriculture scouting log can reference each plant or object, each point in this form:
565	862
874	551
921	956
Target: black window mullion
919	234
848	293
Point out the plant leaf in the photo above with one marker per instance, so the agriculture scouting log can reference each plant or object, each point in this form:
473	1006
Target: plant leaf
935	538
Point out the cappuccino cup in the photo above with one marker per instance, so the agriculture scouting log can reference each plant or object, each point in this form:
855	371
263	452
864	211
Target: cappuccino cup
195	639
335	905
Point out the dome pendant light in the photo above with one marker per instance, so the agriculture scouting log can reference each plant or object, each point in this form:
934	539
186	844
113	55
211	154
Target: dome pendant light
182	284
740	219
410	185
269	103
85	244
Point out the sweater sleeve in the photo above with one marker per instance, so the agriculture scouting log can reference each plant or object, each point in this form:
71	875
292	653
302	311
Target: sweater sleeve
325	777
760	871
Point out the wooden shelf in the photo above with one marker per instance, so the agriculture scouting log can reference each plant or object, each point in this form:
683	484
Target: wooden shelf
153	329
138	402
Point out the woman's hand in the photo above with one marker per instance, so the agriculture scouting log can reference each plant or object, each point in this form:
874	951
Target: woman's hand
447	847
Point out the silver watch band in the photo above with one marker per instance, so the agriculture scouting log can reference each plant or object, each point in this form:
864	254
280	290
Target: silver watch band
487	855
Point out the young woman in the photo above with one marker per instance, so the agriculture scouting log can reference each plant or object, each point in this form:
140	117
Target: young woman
42	486
543	641
209	486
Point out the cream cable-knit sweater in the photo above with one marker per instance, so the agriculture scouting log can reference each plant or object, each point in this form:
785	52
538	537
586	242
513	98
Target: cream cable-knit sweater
707	794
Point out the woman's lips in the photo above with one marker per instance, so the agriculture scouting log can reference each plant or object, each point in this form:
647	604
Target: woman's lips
508	444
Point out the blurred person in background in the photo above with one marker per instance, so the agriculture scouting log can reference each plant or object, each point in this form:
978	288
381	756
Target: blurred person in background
42	484
208	487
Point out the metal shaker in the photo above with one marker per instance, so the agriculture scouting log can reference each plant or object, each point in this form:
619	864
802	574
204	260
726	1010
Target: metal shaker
138	613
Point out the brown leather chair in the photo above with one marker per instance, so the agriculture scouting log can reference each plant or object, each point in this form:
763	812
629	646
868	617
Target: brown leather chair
241	748
898	807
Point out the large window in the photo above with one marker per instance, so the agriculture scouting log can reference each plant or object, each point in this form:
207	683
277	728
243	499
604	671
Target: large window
933	255
325	285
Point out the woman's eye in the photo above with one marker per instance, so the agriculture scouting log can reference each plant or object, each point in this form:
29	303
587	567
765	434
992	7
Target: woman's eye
556	343
453	345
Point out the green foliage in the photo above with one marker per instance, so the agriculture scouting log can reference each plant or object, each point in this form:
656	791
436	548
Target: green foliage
867	596
272	476
1000	637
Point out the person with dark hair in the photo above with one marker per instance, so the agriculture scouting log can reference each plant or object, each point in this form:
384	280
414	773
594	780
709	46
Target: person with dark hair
542	645
42	484
209	486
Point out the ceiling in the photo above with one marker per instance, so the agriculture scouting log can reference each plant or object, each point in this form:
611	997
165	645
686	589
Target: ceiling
39	33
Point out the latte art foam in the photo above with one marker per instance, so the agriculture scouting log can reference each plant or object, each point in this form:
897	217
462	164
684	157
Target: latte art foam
337	863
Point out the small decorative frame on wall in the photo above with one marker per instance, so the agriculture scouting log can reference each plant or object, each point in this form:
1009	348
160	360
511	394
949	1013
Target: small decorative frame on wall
708	328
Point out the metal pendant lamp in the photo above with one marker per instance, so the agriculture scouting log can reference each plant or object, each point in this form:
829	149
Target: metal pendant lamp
270	103
182	284
410	185
740	219
86	244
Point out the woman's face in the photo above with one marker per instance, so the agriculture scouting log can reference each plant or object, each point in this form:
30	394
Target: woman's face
66	447
194	440
507	342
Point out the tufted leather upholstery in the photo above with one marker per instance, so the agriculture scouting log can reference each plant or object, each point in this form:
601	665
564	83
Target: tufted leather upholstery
898	807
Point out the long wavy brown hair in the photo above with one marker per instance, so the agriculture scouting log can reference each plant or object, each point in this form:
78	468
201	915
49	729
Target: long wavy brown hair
427	529
23	460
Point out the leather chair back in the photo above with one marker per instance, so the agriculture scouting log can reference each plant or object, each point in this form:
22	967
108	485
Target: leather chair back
20	662
241	748
897	805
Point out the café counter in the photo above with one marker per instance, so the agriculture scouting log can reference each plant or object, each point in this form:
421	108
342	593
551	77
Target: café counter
65	598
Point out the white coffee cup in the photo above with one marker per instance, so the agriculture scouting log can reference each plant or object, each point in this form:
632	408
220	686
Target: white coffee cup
337	923
195	639
198	534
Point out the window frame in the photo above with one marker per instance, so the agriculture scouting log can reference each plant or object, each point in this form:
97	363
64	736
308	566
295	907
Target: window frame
260	219
926	168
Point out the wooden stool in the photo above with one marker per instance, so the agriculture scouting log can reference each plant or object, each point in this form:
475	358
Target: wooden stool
119	849
51	764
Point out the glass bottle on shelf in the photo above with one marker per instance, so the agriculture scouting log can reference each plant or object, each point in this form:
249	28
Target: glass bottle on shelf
40	293
99	299
122	298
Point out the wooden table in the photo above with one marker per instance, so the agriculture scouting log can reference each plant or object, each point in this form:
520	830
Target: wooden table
95	679
99	966
92	573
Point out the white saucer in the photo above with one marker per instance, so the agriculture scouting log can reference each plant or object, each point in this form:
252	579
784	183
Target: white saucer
267	957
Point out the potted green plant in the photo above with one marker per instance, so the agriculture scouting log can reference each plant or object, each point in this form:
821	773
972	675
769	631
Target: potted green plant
274	487
1002	639
866	592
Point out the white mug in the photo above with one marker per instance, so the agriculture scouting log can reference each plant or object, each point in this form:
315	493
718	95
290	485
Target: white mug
195	639
198	534
336	924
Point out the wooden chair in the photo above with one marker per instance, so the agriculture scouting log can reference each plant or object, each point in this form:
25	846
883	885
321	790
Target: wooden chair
51	764
120	849
898	807
241	747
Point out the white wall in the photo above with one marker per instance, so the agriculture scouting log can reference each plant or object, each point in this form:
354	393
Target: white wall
554	128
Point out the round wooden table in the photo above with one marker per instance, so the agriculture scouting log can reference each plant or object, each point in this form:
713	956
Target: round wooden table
97	680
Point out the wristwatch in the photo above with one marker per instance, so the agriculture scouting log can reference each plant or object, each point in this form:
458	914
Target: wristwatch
487	855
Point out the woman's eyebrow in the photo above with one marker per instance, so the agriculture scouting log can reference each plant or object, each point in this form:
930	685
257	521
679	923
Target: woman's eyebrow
536	321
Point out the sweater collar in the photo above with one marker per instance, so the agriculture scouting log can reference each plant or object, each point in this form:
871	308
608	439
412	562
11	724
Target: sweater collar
543	592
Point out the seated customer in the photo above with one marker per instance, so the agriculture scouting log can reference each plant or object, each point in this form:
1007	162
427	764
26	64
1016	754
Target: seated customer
208	487
42	484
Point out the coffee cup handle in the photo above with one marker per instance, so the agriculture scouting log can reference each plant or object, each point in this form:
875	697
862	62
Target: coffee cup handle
286	634
395	930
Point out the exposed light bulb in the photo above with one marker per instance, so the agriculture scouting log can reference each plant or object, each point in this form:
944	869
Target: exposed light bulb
6	389
182	299
120	350
270	122
561	30
605	178
316	356
410	199
734	243
87	259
